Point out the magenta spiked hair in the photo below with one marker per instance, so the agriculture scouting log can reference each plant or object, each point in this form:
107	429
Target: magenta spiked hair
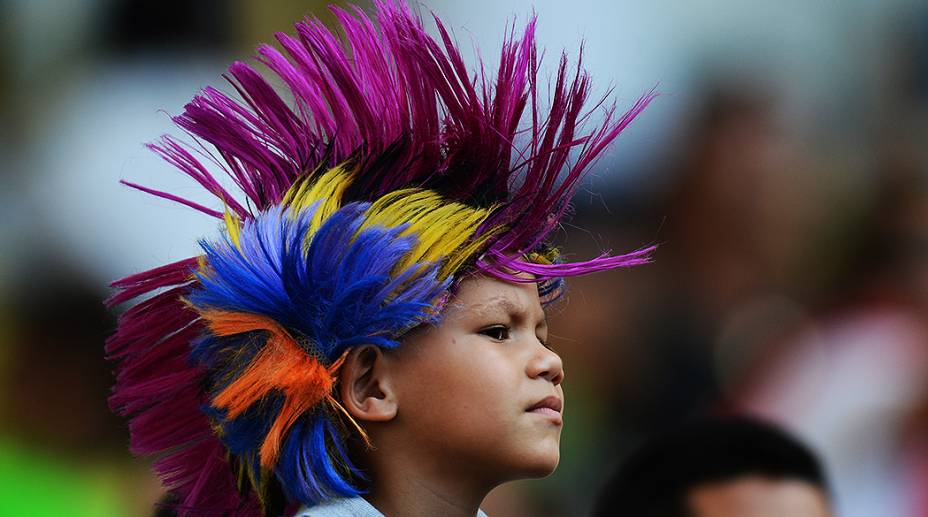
402	109
406	106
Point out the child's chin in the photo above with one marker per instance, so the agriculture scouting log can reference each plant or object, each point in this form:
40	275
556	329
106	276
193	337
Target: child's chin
542	471
542	465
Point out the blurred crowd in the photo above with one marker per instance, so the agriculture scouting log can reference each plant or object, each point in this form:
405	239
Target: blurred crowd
791	280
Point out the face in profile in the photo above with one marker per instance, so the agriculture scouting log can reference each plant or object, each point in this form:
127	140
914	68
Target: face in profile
755	496
482	390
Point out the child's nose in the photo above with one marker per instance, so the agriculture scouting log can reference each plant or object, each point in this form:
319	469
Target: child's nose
548	365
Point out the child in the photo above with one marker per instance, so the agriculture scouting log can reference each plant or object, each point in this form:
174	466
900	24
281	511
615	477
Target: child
367	336
719	466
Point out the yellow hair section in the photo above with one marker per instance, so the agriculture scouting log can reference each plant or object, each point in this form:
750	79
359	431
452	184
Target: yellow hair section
234	230
548	256
202	267
444	229
327	190
234	227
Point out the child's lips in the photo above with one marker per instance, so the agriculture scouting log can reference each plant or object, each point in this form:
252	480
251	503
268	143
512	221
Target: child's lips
549	407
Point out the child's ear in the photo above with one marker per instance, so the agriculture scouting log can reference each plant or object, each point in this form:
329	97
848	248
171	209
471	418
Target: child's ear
364	385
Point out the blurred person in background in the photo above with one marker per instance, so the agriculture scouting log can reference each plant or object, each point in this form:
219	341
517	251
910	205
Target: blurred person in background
852	376
718	467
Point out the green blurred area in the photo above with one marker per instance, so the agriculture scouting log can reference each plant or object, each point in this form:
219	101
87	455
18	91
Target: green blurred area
34	483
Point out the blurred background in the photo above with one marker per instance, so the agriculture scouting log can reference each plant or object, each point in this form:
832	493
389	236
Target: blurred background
784	172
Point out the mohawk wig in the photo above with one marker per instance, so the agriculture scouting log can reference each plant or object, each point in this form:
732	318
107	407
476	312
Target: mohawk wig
380	175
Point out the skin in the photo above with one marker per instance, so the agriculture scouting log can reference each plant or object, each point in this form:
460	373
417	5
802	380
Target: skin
754	496
449	412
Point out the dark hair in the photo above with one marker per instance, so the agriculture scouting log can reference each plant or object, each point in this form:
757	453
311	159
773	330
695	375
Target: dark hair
655	479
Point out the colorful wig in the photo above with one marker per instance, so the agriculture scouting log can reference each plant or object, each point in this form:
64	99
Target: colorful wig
382	174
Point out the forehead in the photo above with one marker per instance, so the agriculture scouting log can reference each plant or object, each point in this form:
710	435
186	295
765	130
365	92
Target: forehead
486	294
755	496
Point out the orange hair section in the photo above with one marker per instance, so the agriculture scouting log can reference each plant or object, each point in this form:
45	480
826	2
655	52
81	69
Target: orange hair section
281	365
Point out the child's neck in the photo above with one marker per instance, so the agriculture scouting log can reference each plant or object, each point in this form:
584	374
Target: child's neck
406	492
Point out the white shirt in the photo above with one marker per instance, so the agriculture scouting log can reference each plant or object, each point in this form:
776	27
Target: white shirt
348	507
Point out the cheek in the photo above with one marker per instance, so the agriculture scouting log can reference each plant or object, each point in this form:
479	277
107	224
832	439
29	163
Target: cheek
468	403
458	398
461	384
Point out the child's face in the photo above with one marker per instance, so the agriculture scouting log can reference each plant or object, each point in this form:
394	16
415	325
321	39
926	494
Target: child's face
481	391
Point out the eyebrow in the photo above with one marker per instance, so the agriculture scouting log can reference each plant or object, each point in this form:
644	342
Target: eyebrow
506	305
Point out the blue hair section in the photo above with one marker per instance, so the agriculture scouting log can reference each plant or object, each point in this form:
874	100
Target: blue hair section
243	434
226	356
306	465
339	290
551	290
250	279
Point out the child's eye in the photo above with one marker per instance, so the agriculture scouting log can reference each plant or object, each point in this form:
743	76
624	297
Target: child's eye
497	332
